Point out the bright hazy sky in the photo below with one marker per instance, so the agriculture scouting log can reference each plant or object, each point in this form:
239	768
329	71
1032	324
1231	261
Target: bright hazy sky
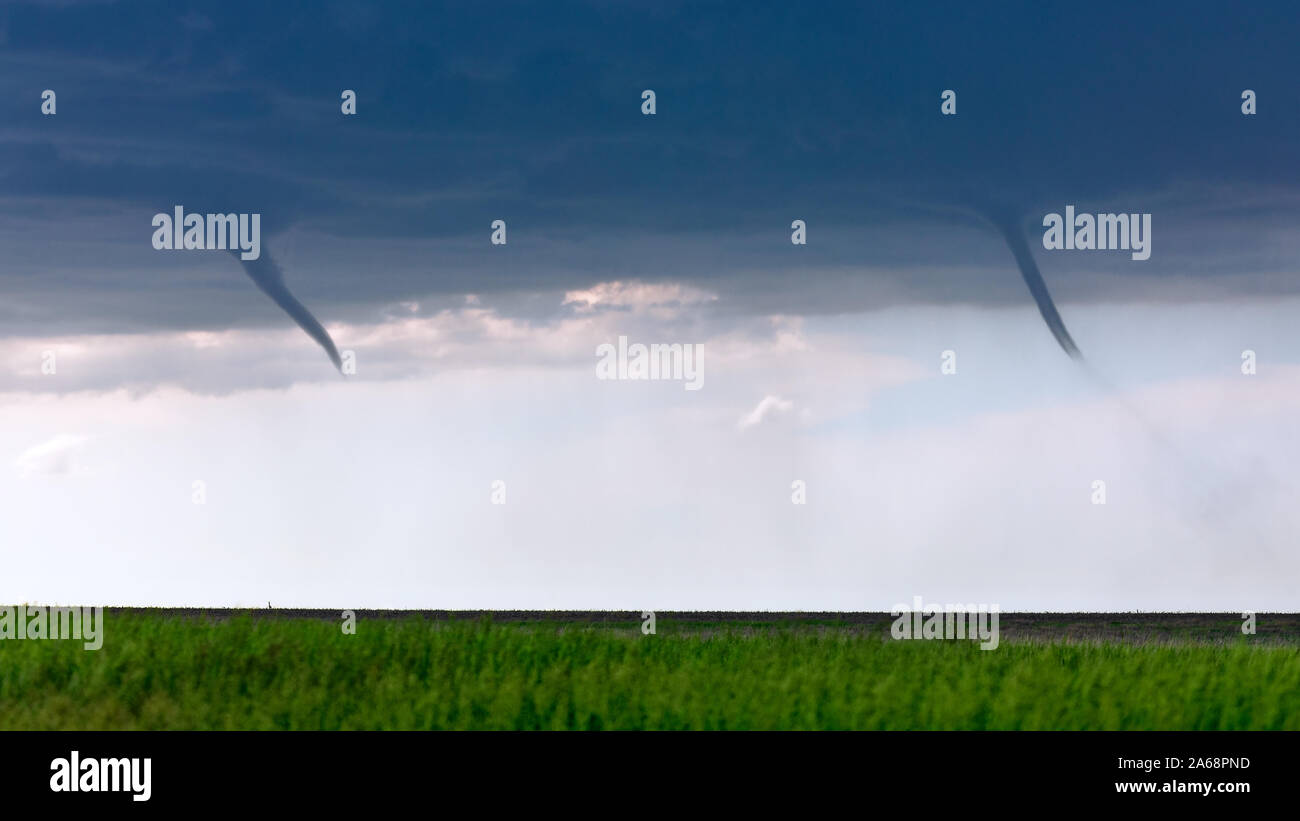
476	363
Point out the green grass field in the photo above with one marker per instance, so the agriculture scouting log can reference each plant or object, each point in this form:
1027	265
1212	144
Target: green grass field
168	672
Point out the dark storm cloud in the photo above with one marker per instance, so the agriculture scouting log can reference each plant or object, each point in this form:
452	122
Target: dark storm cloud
765	113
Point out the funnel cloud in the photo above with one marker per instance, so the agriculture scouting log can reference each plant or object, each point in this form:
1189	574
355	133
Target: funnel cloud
266	274
1014	235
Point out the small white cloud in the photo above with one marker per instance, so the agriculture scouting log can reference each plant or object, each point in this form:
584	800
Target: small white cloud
664	300
57	457
207	339
765	408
